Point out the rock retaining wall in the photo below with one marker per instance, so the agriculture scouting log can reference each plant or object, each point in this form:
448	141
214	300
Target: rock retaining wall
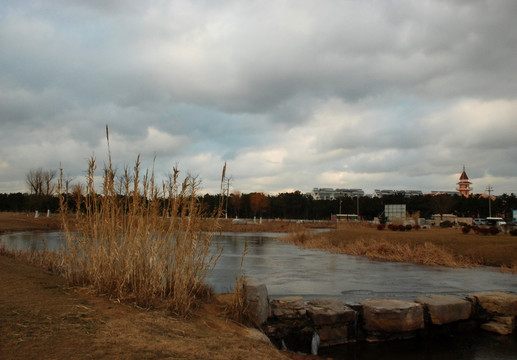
304	326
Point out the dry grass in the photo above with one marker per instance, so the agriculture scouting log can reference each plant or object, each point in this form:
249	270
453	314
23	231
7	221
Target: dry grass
447	247
15	222
41	317
269	225
237	308
146	245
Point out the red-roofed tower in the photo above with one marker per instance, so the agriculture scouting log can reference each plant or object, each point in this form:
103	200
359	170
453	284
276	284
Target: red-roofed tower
464	184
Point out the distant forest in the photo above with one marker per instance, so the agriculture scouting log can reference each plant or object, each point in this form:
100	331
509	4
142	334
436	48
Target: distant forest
297	205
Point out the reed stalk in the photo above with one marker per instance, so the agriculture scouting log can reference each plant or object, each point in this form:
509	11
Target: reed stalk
143	243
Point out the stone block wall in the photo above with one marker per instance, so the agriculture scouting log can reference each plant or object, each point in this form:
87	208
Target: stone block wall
304	326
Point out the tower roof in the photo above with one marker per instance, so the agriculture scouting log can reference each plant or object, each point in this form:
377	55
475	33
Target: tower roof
463	175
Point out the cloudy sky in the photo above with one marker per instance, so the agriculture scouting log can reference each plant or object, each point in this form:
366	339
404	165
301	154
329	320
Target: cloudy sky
292	94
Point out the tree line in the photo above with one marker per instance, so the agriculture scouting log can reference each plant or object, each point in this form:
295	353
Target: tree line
289	205
297	205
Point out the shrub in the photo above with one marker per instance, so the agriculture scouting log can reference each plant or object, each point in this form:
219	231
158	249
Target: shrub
416	227
381	226
409	227
402	228
513	232
465	229
445	224
394	227
493	230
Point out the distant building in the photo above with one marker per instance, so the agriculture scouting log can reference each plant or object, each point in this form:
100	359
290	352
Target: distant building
464	184
407	193
444	192
332	194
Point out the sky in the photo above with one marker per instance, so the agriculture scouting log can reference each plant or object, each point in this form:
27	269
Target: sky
291	94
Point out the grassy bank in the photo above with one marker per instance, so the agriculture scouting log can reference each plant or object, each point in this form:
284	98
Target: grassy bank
436	246
16	222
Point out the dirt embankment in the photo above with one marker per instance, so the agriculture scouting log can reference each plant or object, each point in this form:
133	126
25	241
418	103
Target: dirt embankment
42	318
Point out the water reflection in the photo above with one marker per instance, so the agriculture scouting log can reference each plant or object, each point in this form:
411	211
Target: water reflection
34	240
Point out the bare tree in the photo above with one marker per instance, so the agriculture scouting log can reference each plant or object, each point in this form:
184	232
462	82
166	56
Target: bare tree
41	182
443	203
49	185
34	179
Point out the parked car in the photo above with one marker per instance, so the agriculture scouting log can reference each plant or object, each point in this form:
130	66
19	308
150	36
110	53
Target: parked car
479	221
495	221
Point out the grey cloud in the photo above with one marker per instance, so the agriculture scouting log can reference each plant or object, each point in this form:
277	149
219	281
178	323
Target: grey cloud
234	78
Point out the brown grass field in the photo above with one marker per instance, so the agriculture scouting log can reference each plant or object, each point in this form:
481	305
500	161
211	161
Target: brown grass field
435	246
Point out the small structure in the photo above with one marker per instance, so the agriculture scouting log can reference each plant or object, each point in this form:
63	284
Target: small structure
464	184
395	212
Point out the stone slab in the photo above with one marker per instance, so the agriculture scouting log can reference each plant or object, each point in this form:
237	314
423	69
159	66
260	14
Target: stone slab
257	300
330	312
499	303
497	328
446	309
381	315
289	307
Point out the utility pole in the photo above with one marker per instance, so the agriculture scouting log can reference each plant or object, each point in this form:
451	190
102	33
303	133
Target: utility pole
489	189
357	207
227	196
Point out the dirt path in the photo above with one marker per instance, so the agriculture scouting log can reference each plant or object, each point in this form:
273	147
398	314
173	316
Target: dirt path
41	318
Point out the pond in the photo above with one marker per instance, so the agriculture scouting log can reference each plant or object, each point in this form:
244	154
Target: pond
288	270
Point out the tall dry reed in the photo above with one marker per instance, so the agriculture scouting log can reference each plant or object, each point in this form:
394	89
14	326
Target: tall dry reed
139	241
238	306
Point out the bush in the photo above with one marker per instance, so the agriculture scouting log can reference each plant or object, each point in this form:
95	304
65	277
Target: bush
402	228
465	229
484	231
513	232
409	227
445	224
493	230
394	227
381	226
416	227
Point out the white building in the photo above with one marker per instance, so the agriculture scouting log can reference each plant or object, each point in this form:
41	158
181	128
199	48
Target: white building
332	194
380	193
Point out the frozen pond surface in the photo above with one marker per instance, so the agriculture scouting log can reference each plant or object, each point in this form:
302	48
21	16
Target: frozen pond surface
288	270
